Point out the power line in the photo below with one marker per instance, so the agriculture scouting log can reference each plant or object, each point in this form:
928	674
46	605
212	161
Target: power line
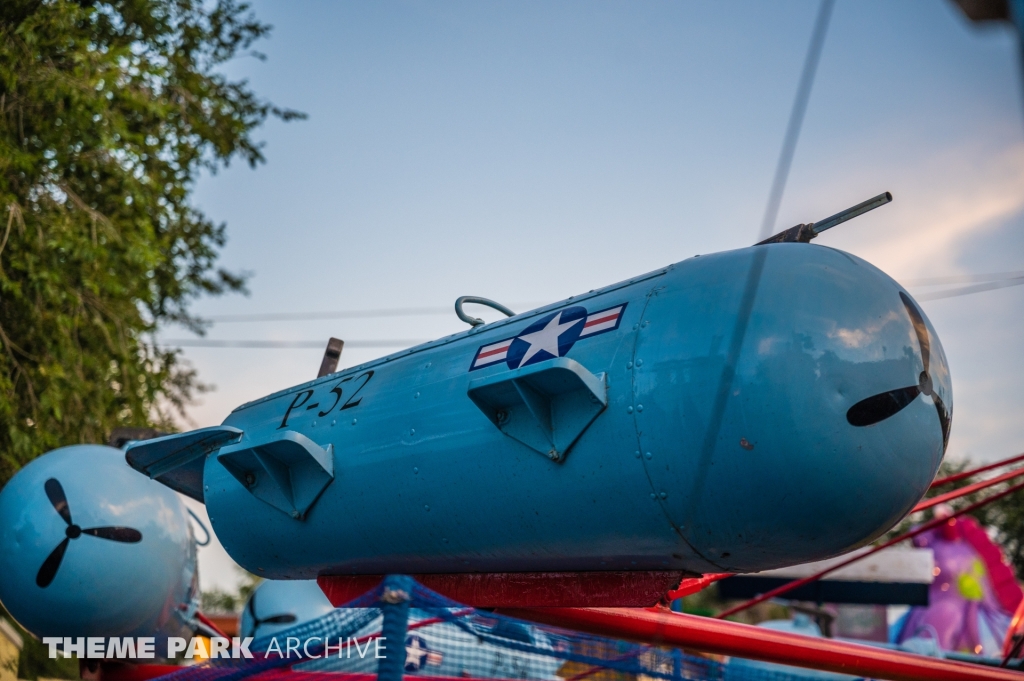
963	279
986	282
330	314
980	283
318	315
277	344
967	290
344	314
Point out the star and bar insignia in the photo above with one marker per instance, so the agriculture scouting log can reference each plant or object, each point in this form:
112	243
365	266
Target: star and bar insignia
550	336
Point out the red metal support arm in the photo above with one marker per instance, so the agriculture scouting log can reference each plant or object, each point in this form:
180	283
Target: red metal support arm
935	522
969	489
974	471
742	640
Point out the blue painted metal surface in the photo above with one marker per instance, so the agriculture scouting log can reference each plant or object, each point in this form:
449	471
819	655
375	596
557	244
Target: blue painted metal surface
287	470
724	445
128	567
546	406
178	460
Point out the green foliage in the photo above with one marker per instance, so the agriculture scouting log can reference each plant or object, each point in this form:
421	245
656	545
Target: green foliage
109	110
219	601
34	661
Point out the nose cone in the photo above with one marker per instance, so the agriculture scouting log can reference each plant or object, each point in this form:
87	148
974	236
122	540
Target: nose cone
811	404
88	547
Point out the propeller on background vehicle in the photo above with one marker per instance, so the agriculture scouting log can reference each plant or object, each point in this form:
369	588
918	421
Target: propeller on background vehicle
879	407
55	493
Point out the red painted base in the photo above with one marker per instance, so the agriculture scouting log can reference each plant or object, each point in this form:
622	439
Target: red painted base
525	589
113	670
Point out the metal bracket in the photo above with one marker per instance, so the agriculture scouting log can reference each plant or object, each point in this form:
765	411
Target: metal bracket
332	354
801	234
178	460
546	406
289	471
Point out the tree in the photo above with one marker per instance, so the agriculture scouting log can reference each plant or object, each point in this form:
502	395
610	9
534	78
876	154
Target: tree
109	110
220	601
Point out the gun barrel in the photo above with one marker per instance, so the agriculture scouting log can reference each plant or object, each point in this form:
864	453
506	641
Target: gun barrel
850	213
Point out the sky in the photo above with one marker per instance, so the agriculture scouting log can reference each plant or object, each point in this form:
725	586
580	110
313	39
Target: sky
531	151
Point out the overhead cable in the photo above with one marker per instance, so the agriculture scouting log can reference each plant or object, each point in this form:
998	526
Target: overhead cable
962	279
967	290
343	314
1000	279
318	344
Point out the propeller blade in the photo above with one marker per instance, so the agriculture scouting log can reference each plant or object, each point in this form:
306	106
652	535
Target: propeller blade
121	534
944	420
55	493
919	328
279	619
252	611
879	407
48	570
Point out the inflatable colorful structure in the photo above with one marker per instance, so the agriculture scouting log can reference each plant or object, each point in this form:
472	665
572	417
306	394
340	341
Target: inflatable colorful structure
974	594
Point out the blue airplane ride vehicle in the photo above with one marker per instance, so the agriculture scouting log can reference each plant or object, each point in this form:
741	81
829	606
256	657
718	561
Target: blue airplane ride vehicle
90	548
733	412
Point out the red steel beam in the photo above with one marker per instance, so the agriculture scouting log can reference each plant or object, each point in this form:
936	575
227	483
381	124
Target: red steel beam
692	585
743	640
920	529
974	471
969	489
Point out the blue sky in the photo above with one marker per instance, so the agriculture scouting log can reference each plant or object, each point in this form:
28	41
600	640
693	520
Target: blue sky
530	151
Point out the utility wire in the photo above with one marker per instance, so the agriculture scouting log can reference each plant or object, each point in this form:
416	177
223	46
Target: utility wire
796	119
1013	279
967	290
335	314
318	344
963	279
987	282
344	314
990	282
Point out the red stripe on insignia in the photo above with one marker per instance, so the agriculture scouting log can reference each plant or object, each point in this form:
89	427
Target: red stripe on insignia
496	351
601	320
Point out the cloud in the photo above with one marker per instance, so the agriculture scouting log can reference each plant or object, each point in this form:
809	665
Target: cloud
862	337
947	197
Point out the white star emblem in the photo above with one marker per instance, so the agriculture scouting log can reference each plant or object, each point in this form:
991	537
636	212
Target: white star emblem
415	652
547	338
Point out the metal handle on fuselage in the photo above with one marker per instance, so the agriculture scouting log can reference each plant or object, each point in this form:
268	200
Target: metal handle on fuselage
476	321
